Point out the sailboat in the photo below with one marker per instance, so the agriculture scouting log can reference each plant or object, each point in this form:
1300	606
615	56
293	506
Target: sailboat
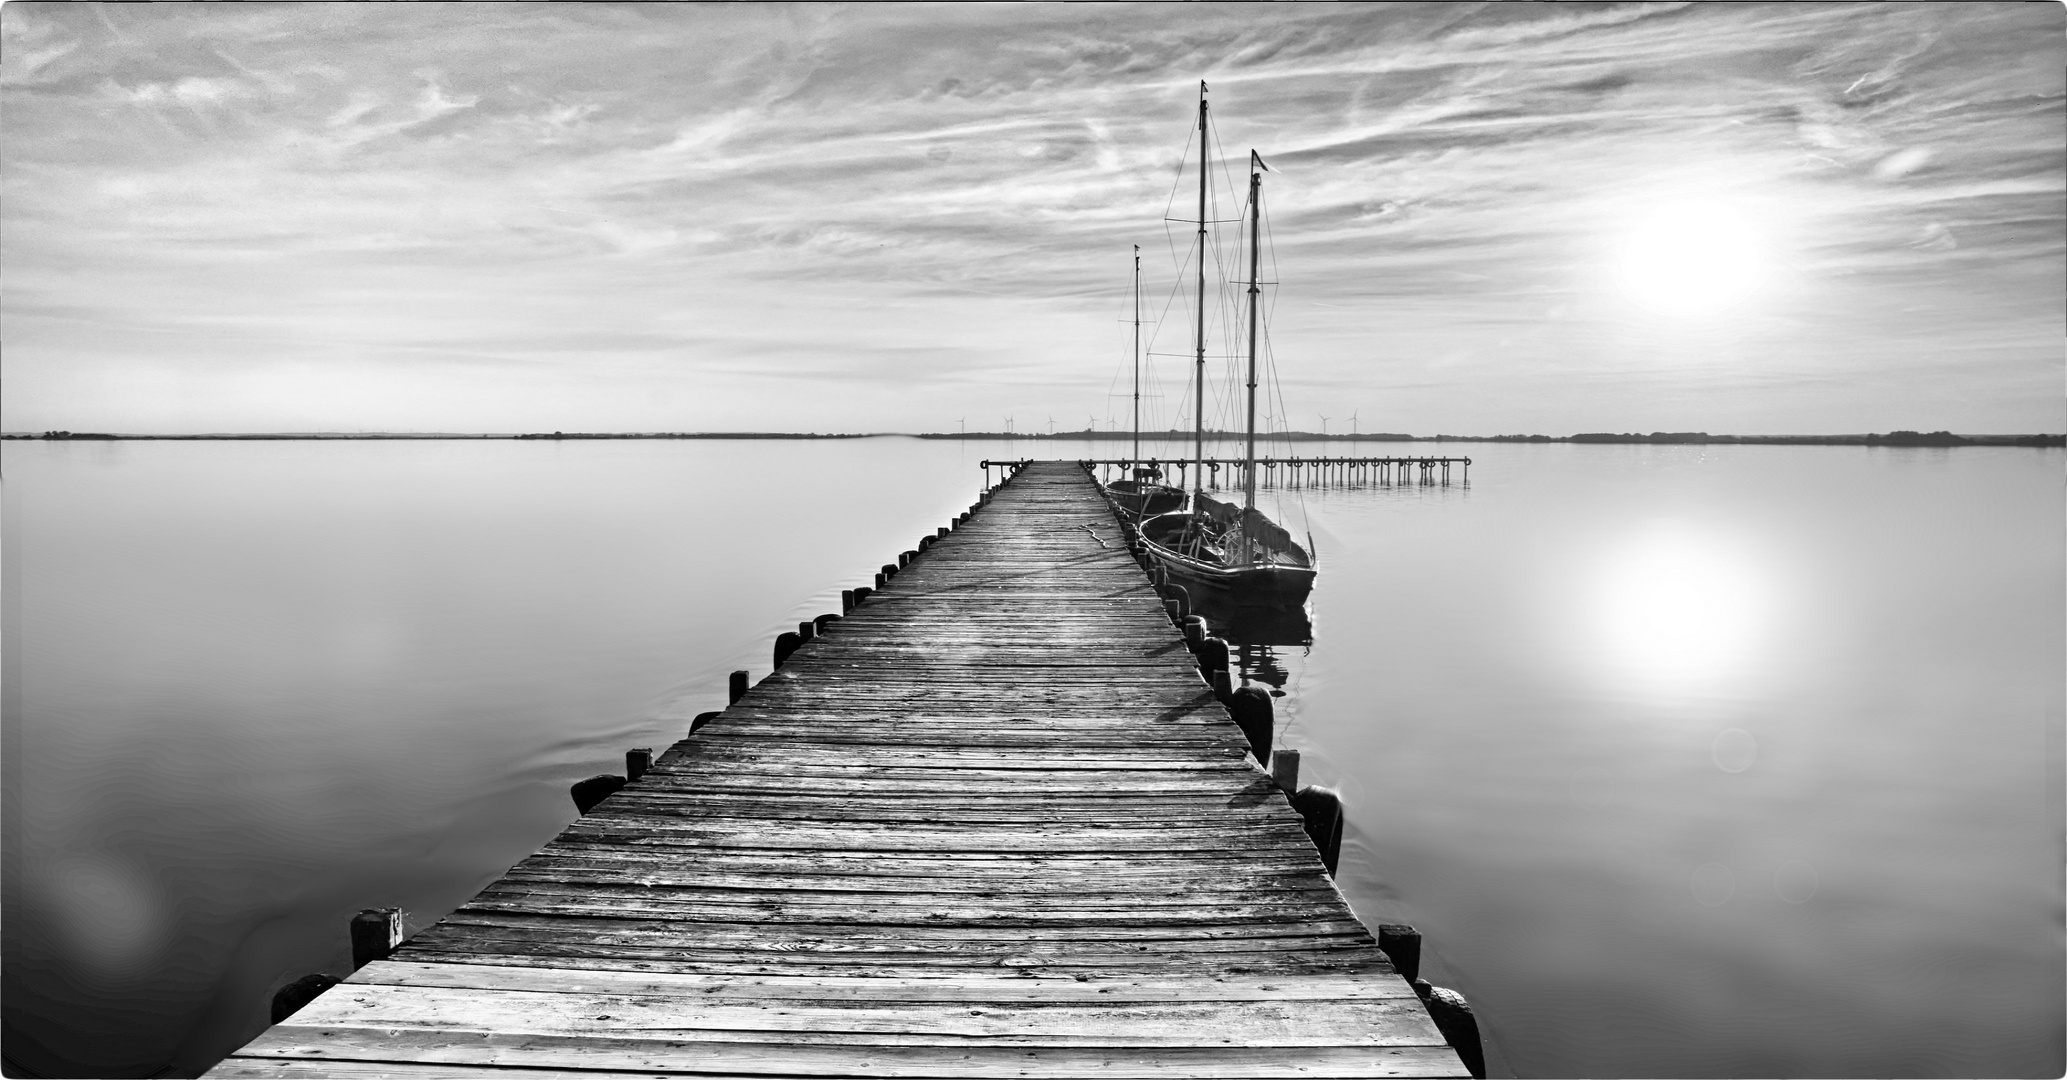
1226	555
1142	495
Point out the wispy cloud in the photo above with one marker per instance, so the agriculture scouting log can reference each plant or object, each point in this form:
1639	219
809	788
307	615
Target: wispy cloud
930	211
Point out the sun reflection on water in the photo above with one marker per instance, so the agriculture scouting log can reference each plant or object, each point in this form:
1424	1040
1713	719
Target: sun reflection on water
1676	607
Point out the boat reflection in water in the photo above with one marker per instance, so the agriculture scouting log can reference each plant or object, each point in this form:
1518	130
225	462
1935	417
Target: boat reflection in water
1255	635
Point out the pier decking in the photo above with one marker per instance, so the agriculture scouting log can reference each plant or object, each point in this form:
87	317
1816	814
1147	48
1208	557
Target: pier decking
991	823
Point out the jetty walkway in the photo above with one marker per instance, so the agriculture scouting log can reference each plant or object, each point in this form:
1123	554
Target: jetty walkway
989	823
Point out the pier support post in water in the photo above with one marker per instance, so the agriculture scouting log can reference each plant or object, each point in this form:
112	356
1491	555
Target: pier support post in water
1322	813
1453	1018
637	763
1284	769
375	933
290	998
1401	944
1250	708
595	789
785	644
737	687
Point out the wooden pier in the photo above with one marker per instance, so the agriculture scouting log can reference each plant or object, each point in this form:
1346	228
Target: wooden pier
991	822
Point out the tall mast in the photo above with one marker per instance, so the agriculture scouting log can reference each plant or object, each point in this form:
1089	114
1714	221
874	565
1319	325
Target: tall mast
1249	456
1198	445
1137	356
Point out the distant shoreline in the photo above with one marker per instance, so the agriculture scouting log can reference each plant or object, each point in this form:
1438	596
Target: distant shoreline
1694	438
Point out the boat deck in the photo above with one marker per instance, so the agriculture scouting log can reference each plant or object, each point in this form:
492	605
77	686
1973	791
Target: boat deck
991	823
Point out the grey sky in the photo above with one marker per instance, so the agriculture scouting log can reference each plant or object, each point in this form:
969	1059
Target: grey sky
496	218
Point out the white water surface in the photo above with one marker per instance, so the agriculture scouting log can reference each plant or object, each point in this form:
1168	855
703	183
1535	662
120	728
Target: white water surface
1687	761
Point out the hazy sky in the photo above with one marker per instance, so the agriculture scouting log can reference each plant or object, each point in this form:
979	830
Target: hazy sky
1780	218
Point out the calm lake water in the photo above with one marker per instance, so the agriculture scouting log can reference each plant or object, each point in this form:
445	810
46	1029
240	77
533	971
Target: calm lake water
1687	761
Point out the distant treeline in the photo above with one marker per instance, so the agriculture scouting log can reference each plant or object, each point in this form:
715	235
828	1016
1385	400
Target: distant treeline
1892	438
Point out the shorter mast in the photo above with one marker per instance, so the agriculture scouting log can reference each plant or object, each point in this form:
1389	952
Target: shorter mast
1249	457
1137	358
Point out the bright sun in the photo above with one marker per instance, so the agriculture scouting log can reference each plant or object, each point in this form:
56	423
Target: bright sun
1691	258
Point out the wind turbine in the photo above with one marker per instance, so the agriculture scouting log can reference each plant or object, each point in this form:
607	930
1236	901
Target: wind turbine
1051	424
1352	425
1324	427
963	424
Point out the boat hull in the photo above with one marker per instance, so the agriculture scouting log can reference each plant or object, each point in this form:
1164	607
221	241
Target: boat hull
1234	589
1139	501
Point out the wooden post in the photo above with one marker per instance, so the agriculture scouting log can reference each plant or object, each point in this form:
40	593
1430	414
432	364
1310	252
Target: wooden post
1170	608
806	631
1322	812
904	558
1284	768
1453	1018
1401	944
889	571
375	933
1212	654
825	620
593	790
290	998
1223	685
862	593
737	687
785	644
1183	599
637	763
702	718
881	580
846	601
941	533
1251	710
1194	630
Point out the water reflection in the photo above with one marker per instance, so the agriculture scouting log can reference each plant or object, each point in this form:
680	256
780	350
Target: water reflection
1255	635
1678	605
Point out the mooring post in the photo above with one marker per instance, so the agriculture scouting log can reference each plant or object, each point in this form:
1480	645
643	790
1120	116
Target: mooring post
1194	631
637	763
846	601
824	621
737	687
1251	710
904	558
1284	769
375	933
1213	654
941	533
881	579
701	719
1401	944
1453	1018
785	644
587	793
1322	812
1170	608
1183	598
290	998
861	593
